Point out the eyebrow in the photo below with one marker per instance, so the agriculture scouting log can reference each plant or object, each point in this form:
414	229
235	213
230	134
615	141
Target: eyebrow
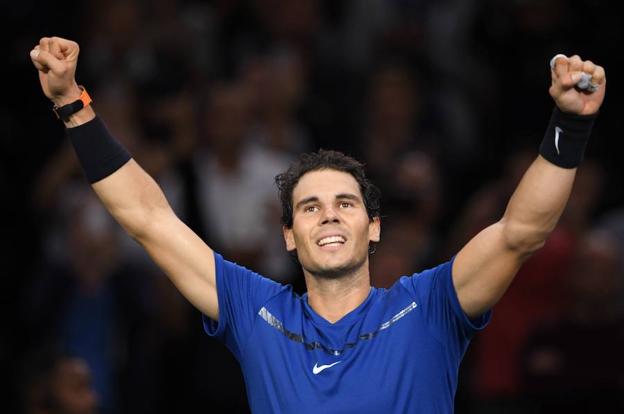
348	196
306	201
341	196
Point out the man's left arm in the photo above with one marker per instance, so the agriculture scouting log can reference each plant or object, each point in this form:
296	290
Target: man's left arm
486	266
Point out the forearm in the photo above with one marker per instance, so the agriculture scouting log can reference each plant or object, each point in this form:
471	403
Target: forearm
486	266
125	189
536	205
543	192
133	198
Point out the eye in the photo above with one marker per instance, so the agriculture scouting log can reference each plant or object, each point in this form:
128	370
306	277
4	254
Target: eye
346	204
310	209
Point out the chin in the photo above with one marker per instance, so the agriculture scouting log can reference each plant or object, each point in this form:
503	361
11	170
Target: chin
337	271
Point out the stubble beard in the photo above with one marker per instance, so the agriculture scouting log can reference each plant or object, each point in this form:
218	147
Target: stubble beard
336	272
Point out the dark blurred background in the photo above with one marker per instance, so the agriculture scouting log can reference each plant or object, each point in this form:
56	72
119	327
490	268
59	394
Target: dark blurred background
445	101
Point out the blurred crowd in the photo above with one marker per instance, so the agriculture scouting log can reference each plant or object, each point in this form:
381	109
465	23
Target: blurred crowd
444	101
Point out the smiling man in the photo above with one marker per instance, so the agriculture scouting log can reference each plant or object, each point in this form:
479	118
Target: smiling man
344	346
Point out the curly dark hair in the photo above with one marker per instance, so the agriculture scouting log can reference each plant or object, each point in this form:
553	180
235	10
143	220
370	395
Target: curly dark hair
325	160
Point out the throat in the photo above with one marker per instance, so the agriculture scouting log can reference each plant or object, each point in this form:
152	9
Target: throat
332	299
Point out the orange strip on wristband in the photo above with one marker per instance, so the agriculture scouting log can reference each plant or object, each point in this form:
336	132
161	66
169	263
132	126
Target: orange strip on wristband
84	97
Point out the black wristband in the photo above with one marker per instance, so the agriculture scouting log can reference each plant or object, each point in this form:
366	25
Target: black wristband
99	153
566	138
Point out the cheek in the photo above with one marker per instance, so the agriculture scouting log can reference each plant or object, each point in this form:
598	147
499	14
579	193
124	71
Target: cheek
299	235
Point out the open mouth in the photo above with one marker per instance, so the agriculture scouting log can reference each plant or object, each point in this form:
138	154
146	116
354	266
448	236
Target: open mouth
331	241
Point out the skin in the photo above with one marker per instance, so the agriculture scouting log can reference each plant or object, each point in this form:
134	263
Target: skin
486	266
329	203
72	388
482	270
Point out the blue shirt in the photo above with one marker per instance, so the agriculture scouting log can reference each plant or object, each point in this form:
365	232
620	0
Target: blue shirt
398	352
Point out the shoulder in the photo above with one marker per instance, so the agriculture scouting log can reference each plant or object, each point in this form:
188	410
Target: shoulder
423	281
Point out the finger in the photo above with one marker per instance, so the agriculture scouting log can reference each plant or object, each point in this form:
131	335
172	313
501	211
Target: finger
554	58
38	65
47	60
44	44
575	64
55	49
588	67
598	76
68	48
570	79
559	65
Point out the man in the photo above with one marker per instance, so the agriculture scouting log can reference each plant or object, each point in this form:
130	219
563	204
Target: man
343	346
55	383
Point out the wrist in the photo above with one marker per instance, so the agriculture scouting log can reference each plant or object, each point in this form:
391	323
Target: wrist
68	97
83	116
77	112
566	138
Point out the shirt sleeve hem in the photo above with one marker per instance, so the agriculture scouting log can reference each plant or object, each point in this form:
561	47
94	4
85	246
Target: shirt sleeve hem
212	327
470	324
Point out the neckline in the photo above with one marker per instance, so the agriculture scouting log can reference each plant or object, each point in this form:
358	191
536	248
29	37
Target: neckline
346	319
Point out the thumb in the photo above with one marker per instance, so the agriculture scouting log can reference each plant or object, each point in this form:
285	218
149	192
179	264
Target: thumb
570	79
45	61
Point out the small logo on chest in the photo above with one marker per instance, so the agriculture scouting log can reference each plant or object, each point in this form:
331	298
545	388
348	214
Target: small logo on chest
318	369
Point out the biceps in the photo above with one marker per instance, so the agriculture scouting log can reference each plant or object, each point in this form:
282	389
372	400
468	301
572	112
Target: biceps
186	259
484	269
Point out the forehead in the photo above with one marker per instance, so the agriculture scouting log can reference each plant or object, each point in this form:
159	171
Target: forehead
325	183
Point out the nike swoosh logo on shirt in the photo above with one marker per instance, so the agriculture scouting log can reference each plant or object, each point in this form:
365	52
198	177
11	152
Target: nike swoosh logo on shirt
316	369
557	132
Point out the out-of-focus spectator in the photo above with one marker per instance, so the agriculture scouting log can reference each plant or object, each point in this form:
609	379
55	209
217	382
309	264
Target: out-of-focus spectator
276	84
464	91
575	364
54	383
411	212
236	193
72	302
119	315
139	42
396	122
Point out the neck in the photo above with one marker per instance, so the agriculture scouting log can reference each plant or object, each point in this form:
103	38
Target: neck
332	298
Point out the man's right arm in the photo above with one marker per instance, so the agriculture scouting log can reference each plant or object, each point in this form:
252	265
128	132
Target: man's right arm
140	207
130	194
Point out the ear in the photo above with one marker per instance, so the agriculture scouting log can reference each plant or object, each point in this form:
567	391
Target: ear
374	229
289	238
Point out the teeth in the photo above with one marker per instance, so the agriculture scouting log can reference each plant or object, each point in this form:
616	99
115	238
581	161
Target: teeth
331	239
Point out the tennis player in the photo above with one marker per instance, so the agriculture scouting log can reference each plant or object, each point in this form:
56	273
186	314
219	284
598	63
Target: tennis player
344	346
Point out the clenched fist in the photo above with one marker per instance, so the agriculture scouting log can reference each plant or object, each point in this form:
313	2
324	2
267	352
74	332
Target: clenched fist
566	73
55	58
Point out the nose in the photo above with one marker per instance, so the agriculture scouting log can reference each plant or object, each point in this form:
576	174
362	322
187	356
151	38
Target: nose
330	215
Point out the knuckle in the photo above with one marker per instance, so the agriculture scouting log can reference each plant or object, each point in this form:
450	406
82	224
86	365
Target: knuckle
553	91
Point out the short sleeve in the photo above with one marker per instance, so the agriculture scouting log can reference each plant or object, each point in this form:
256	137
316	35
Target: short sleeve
435	293
241	293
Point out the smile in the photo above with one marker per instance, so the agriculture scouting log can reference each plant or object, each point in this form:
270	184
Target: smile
331	241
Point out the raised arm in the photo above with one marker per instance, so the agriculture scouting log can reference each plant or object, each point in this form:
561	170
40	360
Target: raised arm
125	189
486	266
